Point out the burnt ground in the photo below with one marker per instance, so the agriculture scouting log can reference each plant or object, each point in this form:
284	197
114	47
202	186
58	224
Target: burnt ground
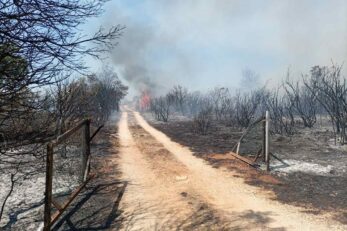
96	207
315	192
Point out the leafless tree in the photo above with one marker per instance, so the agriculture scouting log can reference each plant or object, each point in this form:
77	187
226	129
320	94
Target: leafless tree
65	98
228	112
246	105
160	107
303	101
178	97
331	91
38	40
96	97
221	99
107	91
281	112
193	103
202	121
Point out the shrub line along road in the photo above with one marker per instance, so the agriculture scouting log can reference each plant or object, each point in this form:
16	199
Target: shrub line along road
170	189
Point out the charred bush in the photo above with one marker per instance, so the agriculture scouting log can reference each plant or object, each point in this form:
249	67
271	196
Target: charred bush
220	98
330	88
202	121
246	105
160	108
281	112
193	103
178	98
303	101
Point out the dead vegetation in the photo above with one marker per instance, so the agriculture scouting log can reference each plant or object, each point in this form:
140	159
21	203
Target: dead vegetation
312	176
307	133
293	105
41	96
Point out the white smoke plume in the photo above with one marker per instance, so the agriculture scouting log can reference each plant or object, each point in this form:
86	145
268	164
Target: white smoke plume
201	44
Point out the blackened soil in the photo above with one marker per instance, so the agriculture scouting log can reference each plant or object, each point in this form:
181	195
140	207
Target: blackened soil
97	206
314	193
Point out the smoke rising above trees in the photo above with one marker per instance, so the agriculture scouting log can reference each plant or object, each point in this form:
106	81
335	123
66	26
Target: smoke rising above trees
210	43
292	104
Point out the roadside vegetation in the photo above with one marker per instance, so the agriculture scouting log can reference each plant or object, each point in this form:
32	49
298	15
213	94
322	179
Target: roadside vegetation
295	103
45	86
307	132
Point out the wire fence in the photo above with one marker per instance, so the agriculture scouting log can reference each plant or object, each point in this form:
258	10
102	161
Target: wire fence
67	170
254	142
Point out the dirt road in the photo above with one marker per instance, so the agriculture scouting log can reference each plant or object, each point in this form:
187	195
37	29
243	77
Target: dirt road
170	189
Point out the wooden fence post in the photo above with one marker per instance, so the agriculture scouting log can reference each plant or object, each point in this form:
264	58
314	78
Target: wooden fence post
48	190
267	156
85	149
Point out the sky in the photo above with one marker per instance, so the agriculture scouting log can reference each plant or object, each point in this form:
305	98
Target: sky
204	43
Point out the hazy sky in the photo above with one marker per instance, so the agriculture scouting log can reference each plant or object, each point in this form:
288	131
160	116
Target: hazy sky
204	43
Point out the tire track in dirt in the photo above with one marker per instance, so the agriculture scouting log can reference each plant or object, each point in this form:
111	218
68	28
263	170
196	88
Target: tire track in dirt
170	171
150	202
160	195
244	206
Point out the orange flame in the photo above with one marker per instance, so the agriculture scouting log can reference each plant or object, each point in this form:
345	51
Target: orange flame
145	100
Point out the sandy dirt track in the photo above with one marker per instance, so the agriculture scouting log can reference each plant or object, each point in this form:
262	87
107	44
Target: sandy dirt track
170	189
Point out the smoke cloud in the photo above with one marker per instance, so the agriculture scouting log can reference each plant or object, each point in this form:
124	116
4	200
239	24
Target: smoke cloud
202	44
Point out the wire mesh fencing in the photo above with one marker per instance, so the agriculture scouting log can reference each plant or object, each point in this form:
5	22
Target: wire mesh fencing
67	166
67	170
255	141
